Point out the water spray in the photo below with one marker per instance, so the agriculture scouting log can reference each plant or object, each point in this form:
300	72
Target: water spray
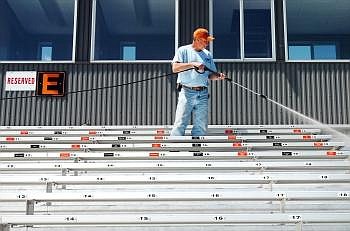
342	136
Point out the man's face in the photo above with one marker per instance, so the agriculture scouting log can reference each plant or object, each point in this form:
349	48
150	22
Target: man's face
202	43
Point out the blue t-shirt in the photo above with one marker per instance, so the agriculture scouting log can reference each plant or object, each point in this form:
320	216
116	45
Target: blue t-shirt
191	78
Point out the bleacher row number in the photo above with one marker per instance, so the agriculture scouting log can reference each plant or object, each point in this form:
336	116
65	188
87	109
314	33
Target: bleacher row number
143	218
295	217
219	218
281	195
344	195
21	196
71	219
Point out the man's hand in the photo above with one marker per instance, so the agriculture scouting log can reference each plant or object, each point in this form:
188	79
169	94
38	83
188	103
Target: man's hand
199	66
217	76
221	75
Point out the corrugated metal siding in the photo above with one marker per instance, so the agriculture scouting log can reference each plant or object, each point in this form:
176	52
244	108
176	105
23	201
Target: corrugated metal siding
319	90
84	19
192	14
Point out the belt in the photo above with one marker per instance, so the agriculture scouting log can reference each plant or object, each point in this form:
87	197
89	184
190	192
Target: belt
200	88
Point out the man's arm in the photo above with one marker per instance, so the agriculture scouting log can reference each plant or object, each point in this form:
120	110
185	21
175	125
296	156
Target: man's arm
178	67
217	76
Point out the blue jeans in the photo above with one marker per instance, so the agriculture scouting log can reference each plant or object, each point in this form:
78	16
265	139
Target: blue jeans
191	101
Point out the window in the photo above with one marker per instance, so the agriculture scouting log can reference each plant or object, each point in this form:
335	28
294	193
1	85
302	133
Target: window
317	30
257	29
226	29
25	24
133	30
243	29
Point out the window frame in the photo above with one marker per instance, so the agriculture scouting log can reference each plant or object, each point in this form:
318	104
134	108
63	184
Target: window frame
243	59
93	35
75	18
286	46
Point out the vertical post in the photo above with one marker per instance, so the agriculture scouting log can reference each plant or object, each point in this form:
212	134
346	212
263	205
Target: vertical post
64	173
4	227
30	207
279	30
299	226
283	205
48	190
76	160
271	185
83	33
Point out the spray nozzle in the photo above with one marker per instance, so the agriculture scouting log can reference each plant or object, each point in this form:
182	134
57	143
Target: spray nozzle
204	70
198	70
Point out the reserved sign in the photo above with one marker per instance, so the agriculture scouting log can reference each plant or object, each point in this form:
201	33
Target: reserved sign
20	81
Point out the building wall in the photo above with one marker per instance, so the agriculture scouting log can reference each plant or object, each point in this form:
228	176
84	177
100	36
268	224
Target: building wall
319	90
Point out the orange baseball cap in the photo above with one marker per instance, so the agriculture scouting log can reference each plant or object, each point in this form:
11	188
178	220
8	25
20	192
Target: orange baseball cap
203	34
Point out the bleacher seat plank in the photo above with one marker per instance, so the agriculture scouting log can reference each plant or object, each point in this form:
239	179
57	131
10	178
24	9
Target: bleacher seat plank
99	139
166	127
179	195
155	132
178	165
63	156
182	178
173	146
178	218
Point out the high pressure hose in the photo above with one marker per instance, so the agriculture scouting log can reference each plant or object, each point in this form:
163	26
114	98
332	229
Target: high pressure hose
144	80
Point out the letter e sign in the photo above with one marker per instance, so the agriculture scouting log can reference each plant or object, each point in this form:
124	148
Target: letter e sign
51	83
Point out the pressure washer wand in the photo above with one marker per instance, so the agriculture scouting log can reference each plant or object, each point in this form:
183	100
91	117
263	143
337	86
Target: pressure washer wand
241	86
247	89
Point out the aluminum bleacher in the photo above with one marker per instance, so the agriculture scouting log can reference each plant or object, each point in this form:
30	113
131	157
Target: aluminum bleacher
239	177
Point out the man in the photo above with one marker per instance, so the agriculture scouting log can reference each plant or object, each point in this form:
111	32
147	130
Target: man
193	83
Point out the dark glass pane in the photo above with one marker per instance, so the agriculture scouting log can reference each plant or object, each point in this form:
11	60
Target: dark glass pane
134	29
26	25
226	23
257	29
323	25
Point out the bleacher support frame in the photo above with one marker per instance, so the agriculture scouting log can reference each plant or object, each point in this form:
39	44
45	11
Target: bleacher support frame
62	160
